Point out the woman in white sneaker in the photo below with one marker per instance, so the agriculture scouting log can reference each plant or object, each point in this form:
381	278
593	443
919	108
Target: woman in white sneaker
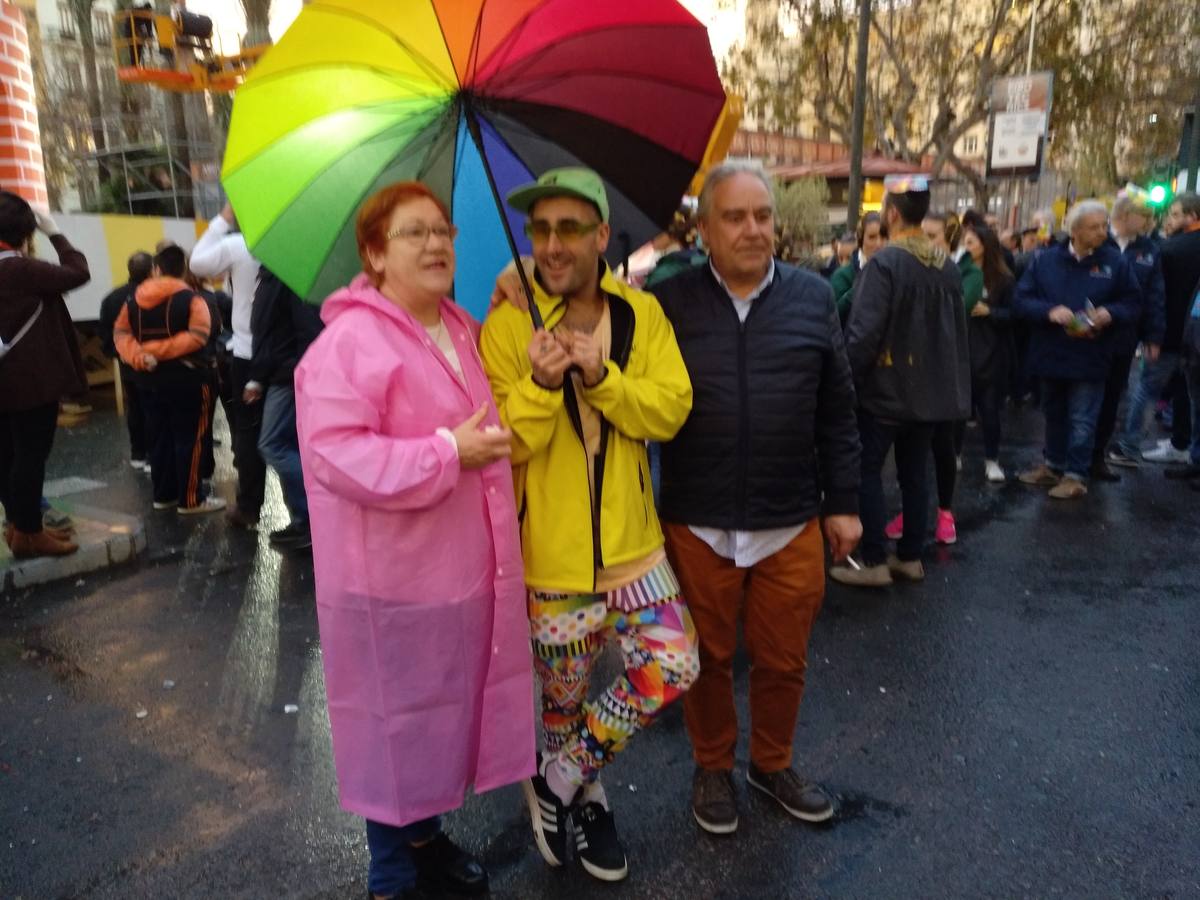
990	339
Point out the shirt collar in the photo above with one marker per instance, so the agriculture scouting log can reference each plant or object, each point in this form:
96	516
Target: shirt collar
1075	253
754	294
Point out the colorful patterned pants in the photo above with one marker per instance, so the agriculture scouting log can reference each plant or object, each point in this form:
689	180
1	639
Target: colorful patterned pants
658	643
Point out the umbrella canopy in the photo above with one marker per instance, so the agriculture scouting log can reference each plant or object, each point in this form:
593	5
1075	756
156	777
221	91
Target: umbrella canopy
473	97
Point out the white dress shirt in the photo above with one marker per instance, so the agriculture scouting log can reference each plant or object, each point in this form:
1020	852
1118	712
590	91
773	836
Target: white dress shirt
747	548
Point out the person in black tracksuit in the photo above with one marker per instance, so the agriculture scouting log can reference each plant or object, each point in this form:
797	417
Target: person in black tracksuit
283	326
139	266
163	334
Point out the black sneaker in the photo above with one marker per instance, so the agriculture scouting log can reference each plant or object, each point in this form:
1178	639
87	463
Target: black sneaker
1184	473
294	537
547	814
802	799
444	866
596	843
1118	457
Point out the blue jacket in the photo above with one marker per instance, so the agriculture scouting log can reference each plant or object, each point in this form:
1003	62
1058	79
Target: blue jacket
1145	259
1055	277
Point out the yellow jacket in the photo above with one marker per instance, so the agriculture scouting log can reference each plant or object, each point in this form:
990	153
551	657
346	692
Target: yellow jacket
646	396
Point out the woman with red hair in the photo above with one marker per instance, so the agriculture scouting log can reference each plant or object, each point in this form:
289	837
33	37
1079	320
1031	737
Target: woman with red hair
420	591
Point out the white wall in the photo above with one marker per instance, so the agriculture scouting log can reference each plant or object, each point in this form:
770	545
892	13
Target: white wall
108	242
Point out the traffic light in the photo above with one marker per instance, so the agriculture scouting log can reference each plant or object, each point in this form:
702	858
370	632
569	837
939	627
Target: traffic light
1158	194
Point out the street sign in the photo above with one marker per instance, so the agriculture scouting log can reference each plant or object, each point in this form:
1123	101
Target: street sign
1019	124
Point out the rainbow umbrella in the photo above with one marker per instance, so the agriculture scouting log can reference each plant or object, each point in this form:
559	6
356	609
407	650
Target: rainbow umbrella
473	97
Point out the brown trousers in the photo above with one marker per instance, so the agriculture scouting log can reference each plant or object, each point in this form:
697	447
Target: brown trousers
777	600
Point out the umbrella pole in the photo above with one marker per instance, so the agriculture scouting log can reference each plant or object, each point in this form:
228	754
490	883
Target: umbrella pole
477	137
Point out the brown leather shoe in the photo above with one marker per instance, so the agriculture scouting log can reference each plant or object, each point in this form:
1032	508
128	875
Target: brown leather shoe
802	799
909	570
62	534
714	803
866	576
1040	476
1069	489
27	546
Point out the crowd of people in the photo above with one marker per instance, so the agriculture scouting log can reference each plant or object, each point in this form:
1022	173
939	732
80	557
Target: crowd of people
1061	318
183	347
481	502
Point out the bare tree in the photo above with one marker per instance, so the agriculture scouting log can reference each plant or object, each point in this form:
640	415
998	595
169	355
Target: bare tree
81	13
258	20
933	63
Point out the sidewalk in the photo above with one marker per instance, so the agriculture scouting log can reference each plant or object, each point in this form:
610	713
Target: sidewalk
105	539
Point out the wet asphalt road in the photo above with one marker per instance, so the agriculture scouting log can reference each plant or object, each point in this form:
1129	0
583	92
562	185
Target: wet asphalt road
1024	724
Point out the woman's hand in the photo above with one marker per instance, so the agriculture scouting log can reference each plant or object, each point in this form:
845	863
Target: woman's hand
980	309
478	447
45	223
508	287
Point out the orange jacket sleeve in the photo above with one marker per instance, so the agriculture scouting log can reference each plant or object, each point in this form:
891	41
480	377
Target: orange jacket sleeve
130	351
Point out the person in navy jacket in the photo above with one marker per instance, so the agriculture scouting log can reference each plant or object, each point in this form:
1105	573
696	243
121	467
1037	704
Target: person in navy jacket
1073	294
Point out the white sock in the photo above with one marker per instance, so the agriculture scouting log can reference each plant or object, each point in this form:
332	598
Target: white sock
564	779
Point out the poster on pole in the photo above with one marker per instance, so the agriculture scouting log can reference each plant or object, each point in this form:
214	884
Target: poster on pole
1020	122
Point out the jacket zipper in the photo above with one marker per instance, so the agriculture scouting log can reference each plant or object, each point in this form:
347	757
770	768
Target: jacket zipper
642	485
739	510
601	457
743	451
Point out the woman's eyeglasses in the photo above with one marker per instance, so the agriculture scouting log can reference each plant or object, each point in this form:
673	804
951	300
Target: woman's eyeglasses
417	234
564	229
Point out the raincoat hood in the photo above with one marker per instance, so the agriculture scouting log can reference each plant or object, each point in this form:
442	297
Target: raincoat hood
362	293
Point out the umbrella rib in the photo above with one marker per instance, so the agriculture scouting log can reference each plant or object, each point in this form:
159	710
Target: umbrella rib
473	54
509	73
445	40
449	117
509	39
423	61
391	75
288	135
519	123
344	221
551	79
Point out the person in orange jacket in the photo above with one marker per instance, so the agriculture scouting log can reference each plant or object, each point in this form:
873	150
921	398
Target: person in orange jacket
162	334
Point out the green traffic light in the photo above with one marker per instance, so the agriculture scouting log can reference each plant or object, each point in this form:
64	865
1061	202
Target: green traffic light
1158	193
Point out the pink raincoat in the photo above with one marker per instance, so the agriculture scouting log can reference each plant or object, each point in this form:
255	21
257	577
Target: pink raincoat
420	594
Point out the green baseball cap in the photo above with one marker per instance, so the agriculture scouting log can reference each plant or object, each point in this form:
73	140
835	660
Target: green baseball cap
569	182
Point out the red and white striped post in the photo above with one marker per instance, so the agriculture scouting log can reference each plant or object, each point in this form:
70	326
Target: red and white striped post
21	166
